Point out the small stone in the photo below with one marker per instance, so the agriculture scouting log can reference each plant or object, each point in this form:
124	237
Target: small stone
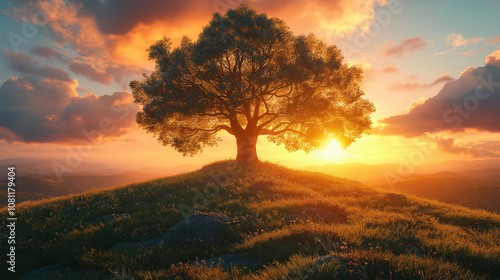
195	228
228	261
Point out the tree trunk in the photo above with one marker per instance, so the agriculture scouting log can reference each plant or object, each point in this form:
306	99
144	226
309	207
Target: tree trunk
247	151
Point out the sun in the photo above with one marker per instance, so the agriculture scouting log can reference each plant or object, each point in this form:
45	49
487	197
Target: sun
332	151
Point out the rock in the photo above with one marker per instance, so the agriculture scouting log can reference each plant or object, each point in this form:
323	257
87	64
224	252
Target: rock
228	261
397	199
190	230
195	228
112	217
50	271
69	210
328	258
416	250
423	210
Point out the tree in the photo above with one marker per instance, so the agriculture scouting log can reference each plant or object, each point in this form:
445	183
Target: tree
248	75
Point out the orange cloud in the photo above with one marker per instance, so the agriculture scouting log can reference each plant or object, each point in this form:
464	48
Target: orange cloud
494	58
327	17
119	31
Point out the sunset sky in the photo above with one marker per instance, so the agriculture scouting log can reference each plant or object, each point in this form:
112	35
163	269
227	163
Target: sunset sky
432	69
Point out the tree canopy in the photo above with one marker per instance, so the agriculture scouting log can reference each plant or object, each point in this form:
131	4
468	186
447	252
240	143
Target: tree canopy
249	75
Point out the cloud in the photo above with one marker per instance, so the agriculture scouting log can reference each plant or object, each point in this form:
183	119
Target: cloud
469	103
121	30
8	135
390	69
419	102
51	111
470	53
92	52
118	73
23	63
457	40
494	58
327	17
441	53
119	17
448	146
493	41
115	72
444	78
49	53
408	45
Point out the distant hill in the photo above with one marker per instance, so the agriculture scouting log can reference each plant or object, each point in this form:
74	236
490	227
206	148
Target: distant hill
434	181
471	188
478	198
26	166
375	174
258	222
35	178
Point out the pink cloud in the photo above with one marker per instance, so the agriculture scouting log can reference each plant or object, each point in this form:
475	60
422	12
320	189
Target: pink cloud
493	41
443	78
448	146
390	69
25	64
469	102
51	111
408	45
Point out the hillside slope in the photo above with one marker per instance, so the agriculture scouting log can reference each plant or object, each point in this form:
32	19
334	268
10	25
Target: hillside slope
263	222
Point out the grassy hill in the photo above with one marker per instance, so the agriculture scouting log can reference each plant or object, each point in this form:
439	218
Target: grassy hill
279	224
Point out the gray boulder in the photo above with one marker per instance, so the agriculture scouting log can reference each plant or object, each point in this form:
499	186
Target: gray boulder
190	230
195	228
